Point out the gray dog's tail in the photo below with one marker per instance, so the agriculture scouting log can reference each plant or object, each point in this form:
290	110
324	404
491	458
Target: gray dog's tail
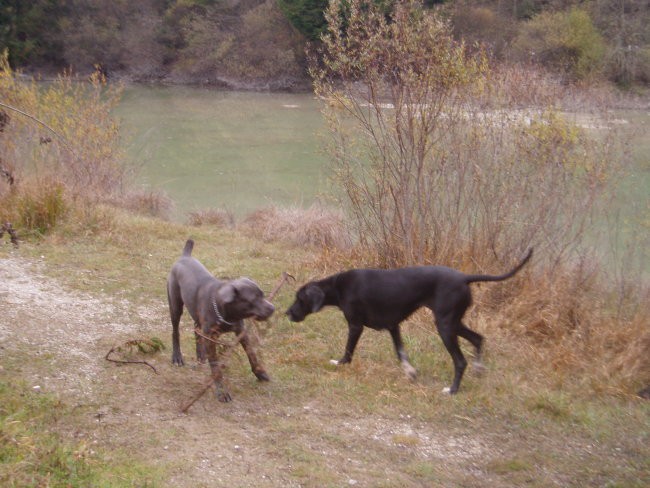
189	245
509	274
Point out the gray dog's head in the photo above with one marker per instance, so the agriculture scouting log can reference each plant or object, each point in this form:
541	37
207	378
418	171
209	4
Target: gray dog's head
242	299
309	299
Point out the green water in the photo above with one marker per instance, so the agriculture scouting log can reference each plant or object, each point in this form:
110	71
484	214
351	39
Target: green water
234	150
242	151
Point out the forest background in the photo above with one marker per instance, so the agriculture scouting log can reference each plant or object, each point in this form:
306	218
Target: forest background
261	44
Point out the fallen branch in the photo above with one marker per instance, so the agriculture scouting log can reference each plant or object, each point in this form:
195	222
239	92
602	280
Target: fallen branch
6	227
229	346
144	345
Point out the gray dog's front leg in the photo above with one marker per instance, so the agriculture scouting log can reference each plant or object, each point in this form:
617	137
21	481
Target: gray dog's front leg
250	342
216	368
200	346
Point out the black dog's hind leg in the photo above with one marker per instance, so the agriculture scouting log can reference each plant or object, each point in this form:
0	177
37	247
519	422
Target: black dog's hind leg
476	340
409	370
448	330
354	333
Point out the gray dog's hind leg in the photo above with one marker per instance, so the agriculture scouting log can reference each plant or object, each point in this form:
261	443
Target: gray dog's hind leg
175	311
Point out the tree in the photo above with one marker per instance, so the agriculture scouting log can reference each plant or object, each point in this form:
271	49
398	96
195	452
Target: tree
306	15
29	30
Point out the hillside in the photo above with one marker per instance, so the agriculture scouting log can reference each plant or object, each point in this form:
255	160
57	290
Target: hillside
260	44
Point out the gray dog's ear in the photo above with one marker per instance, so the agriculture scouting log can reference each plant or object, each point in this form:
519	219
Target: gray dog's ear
227	293
316	298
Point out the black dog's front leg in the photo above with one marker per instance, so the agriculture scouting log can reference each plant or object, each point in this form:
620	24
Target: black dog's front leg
354	333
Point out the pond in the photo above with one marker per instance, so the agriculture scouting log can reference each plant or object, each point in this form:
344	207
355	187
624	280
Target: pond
235	150
243	150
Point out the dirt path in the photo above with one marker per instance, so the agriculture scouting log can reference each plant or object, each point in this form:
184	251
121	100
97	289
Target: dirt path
264	439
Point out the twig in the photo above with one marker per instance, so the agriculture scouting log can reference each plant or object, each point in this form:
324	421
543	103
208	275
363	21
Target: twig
205	388
285	277
63	140
125	361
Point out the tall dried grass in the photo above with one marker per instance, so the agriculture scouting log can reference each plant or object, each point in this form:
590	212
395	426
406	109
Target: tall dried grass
59	142
314	226
216	217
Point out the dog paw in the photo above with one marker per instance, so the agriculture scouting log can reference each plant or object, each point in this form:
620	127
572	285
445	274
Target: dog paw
409	371
224	397
446	390
262	376
478	367
178	361
335	362
221	392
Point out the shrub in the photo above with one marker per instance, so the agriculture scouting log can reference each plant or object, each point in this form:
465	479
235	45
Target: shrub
212	216
60	144
314	226
565	42
35	207
152	203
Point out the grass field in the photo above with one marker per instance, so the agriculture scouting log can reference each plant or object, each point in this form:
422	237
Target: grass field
68	298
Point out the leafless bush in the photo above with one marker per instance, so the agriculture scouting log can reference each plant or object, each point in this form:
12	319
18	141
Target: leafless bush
216	217
153	203
438	157
314	226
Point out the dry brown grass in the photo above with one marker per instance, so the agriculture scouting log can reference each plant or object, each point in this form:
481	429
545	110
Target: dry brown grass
153	203
216	217
314	226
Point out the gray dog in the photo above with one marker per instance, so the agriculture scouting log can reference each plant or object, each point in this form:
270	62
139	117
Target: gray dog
383	298
216	307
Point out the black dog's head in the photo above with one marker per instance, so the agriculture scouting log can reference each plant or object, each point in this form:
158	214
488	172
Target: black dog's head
309	299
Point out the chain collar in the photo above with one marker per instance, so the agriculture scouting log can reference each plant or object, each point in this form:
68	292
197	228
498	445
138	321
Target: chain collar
220	318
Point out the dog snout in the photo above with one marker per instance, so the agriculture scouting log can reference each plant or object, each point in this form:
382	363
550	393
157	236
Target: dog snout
266	310
293	316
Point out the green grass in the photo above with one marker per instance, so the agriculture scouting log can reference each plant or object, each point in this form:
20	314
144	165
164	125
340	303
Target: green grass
33	454
315	424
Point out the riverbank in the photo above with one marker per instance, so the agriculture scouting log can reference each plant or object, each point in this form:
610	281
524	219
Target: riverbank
72	296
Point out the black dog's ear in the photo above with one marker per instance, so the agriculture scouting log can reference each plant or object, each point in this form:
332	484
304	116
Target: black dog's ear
316	298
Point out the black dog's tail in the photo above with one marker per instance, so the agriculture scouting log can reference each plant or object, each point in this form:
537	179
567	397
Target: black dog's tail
189	245
509	274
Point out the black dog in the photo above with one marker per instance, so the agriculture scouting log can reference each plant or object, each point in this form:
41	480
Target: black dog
216	307
382	299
